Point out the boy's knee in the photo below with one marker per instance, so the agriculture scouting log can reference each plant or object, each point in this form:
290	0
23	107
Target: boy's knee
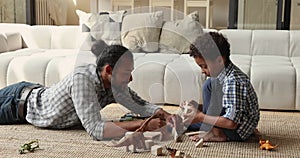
207	85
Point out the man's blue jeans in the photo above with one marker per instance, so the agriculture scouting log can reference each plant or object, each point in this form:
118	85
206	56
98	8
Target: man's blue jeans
9	99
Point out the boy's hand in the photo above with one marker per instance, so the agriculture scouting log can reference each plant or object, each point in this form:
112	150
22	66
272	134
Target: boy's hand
190	110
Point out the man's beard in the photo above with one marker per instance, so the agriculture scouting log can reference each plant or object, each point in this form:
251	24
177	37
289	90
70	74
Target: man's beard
119	88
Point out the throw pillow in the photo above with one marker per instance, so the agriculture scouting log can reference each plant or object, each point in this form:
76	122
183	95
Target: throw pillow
3	44
14	41
178	35
104	25
141	31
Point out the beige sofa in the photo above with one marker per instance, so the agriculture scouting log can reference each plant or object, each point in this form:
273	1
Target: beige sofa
271	58
45	54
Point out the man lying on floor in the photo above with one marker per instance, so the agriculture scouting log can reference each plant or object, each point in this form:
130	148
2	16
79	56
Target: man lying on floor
79	97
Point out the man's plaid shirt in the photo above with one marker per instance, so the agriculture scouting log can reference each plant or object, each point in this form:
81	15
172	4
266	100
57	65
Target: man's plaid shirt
78	99
239	100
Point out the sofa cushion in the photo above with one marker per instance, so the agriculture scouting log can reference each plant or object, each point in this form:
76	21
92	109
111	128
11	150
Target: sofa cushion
178	35
150	85
242	61
3	43
270	42
273	78
103	25
140	32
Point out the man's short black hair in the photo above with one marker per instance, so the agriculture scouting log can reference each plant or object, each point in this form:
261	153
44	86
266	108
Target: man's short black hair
97	47
211	45
111	54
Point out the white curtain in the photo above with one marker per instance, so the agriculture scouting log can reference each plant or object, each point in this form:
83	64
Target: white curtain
58	11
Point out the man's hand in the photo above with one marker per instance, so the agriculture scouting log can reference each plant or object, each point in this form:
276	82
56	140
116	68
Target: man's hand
155	124
162	114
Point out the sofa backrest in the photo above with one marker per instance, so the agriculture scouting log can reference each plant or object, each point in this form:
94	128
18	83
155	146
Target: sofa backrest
240	41
243	42
38	36
270	42
263	42
46	36
66	37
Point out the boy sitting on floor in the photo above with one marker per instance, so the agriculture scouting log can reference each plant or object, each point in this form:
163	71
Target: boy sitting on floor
230	107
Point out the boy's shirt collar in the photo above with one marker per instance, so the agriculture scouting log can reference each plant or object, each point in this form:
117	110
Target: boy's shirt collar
222	76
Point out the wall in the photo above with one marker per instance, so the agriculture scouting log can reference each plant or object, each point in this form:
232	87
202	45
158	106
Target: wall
295	12
12	11
83	5
220	13
263	18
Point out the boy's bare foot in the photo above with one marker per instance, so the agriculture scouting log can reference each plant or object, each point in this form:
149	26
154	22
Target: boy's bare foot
215	135
215	139
257	133
195	138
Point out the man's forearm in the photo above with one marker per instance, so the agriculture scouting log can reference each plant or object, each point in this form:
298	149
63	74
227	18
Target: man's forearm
118	129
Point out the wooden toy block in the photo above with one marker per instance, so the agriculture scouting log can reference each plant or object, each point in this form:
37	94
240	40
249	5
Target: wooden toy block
149	144
199	144
128	133
127	149
179	154
177	137
153	136
156	150
192	133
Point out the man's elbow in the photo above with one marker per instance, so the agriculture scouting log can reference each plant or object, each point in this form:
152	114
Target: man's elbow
96	138
96	135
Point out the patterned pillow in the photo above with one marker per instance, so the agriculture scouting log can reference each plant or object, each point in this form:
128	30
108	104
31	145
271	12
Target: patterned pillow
176	36
141	31
103	25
